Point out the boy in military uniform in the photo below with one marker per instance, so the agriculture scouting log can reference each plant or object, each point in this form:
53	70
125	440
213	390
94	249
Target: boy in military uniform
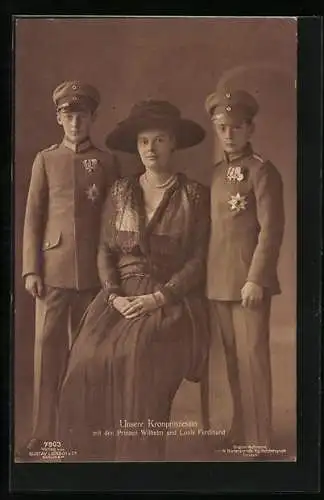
247	223
68	186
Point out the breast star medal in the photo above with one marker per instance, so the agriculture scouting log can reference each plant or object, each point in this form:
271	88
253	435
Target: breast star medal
235	174
90	165
237	203
92	192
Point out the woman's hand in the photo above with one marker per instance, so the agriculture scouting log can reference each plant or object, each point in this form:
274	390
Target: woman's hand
121	304
143	304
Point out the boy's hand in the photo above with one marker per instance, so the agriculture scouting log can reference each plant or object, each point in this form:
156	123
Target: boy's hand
252	294
34	285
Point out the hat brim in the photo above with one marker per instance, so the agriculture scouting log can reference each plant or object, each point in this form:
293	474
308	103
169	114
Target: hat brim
124	137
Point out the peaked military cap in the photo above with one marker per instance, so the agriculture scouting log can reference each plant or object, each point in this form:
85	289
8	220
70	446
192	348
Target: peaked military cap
235	106
75	95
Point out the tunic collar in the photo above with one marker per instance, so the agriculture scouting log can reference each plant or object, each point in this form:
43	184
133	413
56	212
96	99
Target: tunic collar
247	151
77	148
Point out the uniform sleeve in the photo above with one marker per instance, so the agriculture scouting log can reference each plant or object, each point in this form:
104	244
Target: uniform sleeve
193	273
36	211
268	189
107	257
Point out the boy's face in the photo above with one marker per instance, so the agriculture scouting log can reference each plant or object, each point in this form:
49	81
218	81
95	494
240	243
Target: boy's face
76	124
233	136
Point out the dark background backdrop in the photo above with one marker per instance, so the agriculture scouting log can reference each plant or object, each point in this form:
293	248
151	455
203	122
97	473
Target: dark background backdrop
180	60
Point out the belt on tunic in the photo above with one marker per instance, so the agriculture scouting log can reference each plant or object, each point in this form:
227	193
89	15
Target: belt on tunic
133	269
141	270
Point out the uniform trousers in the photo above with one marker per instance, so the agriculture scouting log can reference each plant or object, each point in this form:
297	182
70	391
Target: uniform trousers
244	334
57	316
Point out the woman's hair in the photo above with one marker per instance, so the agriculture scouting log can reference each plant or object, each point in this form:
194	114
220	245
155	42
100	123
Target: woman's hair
168	129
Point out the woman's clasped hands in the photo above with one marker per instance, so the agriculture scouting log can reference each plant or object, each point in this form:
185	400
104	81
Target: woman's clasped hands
135	306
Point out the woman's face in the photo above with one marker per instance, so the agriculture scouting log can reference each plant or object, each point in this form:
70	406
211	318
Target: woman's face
155	148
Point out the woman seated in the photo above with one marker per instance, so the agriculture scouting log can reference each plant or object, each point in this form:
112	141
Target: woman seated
146	330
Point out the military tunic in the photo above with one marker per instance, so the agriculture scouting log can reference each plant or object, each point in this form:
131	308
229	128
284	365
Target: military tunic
247	226
68	186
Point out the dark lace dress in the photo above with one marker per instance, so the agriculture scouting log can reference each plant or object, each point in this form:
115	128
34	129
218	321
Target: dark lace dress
121	369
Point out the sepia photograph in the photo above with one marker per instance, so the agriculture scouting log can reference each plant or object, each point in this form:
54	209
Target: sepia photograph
155	185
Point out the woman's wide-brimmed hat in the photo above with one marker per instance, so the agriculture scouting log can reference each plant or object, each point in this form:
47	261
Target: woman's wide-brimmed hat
154	114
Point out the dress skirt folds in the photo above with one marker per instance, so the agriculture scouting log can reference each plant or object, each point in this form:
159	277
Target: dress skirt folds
124	371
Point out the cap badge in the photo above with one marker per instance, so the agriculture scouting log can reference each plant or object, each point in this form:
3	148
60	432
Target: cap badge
90	165
235	174
237	203
92	192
